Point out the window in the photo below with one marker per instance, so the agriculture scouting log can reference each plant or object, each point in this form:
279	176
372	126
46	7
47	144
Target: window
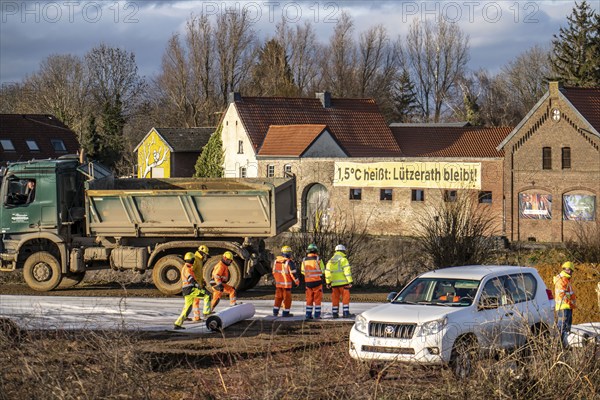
270	171
566	158
32	145
287	170
242	172
485	197
355	194
7	145
385	194
418	195
241	147
450	196
547	158
20	192
58	145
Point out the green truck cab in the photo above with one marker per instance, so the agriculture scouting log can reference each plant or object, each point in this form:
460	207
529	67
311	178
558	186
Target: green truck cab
60	218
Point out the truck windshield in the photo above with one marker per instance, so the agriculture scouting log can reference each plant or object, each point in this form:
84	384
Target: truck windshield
439	291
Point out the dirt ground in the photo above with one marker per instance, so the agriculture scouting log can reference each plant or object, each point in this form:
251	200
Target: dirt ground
249	360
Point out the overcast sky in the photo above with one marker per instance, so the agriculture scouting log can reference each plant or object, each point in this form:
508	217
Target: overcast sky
30	31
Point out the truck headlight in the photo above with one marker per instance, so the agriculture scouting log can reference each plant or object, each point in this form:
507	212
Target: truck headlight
433	327
360	323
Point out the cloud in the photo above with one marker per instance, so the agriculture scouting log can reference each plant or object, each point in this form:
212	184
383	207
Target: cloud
30	31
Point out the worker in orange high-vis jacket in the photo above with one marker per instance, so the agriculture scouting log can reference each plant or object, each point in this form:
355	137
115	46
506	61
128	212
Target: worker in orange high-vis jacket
312	268
200	258
284	274
338	276
564	301
191	290
220	278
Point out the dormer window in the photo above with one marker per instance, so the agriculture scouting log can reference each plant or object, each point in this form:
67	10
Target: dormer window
7	145
59	145
32	144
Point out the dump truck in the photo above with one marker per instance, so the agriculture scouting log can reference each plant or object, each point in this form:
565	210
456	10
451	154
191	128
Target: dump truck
80	217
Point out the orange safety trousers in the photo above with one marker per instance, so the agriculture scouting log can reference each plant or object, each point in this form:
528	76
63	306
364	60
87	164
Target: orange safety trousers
226	289
315	296
283	295
338	292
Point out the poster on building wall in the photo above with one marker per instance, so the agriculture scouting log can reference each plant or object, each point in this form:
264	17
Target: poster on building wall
535	206
579	207
442	175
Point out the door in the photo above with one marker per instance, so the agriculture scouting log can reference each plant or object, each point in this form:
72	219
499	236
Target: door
495	316
315	214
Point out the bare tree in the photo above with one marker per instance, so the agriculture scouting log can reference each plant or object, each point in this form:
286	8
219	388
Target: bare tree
234	38
437	55
301	46
339	62
60	87
525	78
456	232
114	78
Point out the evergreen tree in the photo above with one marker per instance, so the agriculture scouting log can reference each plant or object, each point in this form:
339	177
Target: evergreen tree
90	141
576	49
272	75
404	98
210	162
472	109
110	147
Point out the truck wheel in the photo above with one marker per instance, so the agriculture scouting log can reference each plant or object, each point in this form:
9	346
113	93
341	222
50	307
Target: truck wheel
249	283
166	274
42	271
72	279
235	273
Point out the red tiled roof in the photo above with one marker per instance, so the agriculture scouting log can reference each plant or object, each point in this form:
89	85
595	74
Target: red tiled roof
587	102
356	124
289	140
435	141
42	128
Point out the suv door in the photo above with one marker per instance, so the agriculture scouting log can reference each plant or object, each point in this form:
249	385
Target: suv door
522	290
494	316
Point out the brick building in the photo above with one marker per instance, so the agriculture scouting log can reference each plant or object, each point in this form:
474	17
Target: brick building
322	140
552	167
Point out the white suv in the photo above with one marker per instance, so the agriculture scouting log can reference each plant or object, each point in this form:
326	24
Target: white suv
443	316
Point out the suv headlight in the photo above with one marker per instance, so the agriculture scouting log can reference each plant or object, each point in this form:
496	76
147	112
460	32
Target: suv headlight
433	327
360	323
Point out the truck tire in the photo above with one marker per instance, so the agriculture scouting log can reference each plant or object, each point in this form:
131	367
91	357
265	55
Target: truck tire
166	274
249	283
235	273
72	279
42	271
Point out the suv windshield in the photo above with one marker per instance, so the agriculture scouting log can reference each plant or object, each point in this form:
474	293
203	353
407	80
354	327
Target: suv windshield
439	291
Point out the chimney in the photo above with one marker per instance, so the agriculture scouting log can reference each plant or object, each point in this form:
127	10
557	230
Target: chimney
325	98
233	97
554	87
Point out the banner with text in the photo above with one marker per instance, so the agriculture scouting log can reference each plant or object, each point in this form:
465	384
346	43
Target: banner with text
434	175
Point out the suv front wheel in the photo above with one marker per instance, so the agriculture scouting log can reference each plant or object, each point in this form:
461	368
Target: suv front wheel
464	356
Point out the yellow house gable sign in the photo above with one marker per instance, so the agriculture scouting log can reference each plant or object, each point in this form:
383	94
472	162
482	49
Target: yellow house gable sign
154	156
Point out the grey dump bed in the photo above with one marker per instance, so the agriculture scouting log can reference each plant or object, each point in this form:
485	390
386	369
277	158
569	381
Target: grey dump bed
187	207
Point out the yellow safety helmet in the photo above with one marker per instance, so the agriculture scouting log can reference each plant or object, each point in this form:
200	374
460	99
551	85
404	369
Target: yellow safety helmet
228	255
189	256
203	249
286	249
568	265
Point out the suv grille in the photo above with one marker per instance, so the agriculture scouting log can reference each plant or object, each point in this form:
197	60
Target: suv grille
390	330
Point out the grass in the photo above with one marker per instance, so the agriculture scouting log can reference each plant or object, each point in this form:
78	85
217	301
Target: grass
256	360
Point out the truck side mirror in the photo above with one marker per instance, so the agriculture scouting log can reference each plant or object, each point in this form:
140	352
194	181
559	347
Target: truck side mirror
391	296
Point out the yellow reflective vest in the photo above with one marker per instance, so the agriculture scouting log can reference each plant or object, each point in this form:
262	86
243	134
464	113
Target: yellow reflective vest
564	296
198	266
338	271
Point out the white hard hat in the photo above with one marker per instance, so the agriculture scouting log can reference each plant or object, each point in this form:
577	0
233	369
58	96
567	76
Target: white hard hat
340	247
